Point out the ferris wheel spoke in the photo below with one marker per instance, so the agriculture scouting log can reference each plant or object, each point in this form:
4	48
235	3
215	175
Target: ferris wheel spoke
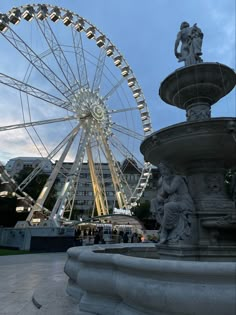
114	169
30	66
80	59
58	54
27	52
113	90
126	153
36	123
36	170
99	70
127	131
122	110
30	90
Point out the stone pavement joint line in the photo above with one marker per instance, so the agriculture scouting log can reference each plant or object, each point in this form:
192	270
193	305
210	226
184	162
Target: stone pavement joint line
35	284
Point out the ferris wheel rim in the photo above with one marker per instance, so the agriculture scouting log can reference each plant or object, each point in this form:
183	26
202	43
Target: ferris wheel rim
120	62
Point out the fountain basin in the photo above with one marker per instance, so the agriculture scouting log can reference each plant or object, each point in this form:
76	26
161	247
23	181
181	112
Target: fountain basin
213	139
117	279
205	82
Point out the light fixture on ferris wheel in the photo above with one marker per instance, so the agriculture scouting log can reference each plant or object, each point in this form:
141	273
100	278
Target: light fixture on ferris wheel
28	13
55	14
67	18
110	50
136	93
125	71
3	22
117	61
141	104
100	41
90	33
79	25
15	16
131	81
42	12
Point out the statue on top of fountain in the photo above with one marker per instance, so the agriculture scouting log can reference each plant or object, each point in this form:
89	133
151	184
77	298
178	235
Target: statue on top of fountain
191	44
172	206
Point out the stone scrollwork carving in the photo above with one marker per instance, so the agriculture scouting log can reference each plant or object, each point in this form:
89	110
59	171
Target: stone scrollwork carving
198	113
172	206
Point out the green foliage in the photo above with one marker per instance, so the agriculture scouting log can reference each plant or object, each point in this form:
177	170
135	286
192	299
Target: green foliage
6	252
142	211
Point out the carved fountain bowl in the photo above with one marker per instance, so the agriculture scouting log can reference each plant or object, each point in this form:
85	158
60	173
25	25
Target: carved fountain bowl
213	139
202	83
106	280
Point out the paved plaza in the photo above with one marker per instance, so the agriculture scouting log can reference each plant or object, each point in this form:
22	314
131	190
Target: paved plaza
35	284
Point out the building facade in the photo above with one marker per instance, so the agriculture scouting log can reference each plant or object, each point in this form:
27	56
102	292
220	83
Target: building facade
84	204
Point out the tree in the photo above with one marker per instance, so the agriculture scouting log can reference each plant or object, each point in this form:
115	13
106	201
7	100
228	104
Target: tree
142	211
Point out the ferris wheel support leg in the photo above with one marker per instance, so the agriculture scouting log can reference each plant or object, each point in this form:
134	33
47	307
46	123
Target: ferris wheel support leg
121	199
99	195
67	193
48	186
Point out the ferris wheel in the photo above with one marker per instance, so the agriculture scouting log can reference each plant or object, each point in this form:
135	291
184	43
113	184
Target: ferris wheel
71	95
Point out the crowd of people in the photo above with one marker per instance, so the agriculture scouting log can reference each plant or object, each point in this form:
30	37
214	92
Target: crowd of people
96	235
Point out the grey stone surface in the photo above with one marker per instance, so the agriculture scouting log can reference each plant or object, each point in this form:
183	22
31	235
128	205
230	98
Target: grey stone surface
38	276
197	87
119	284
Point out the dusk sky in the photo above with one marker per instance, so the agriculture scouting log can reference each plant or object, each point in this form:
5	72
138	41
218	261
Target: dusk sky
144	32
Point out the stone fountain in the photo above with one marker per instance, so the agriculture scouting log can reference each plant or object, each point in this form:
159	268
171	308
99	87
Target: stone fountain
192	270
202	149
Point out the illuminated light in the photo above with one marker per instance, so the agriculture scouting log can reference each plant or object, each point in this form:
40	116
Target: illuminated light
101	41
147	128
3	22
20	209
42	12
141	104
125	71
110	50
90	33
36	220
79	25
118	61
3	193
67	18
28	13
15	16
131	82
55	14
136	93
146	174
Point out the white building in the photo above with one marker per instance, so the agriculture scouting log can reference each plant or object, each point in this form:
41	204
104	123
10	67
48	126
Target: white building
14	166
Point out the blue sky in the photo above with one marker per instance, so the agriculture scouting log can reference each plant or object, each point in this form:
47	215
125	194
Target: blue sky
144	32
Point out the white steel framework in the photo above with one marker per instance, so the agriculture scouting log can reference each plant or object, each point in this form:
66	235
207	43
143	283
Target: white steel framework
79	82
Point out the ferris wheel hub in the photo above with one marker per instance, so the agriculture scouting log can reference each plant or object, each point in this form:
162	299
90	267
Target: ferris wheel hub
88	103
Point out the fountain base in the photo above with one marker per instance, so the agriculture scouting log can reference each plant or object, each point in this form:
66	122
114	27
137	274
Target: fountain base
110	280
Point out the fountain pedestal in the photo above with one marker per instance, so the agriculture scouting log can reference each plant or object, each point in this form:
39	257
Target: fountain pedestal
202	149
